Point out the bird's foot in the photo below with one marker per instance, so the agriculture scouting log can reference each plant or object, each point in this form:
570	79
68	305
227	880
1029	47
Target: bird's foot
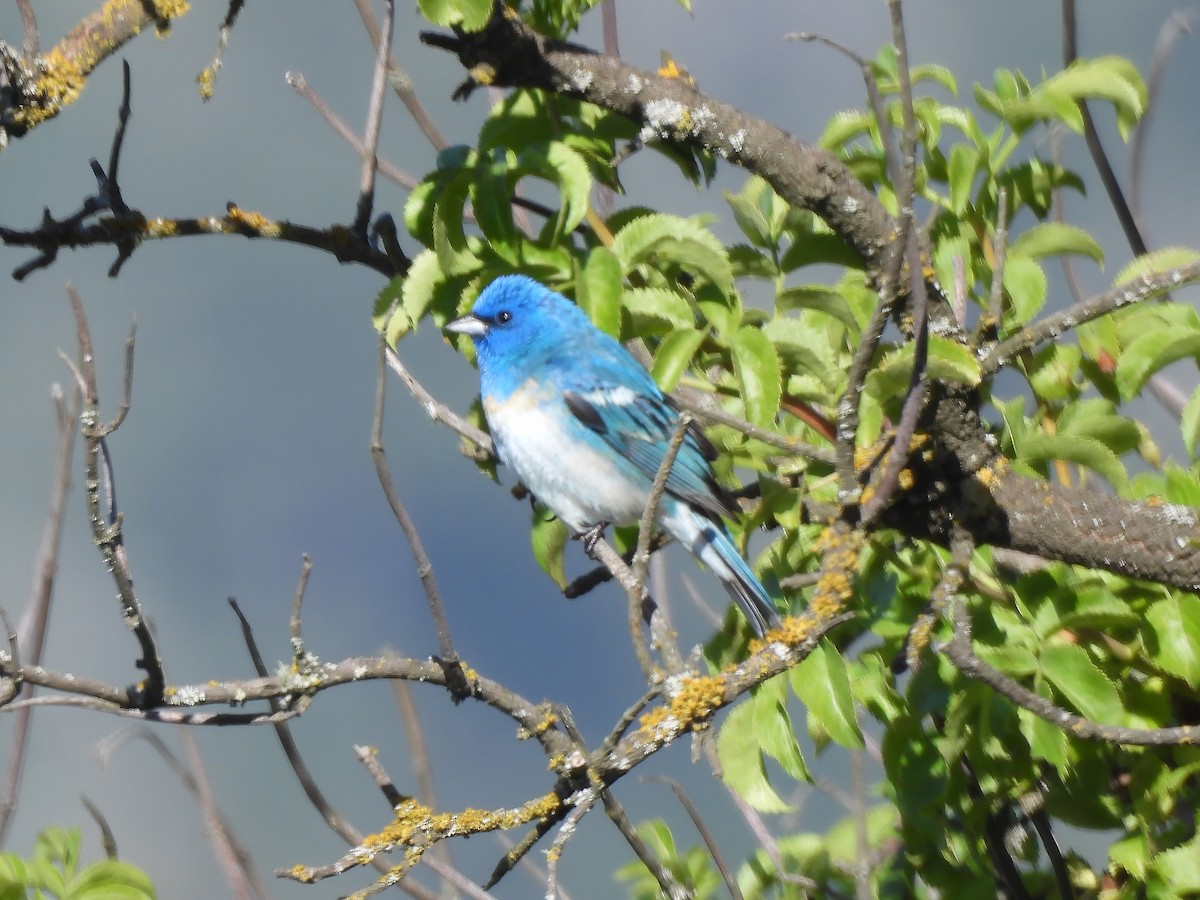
590	536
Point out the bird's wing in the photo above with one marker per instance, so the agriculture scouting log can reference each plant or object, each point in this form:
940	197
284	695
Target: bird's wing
639	424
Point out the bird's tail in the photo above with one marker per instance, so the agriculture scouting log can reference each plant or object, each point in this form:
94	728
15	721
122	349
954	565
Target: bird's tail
711	544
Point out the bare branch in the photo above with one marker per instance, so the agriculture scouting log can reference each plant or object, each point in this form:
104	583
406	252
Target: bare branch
706	834
208	77
439	412
400	82
56	79
1143	287
104	516
1177	24
424	566
338	124
366	184
37	610
32	44
960	652
308	783
107	840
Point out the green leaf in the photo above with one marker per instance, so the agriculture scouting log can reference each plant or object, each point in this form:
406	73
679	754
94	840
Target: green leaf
947	361
1072	673
750	263
469	15
773	728
741	761
674	355
1025	283
1109	78
558	163
964	162
932	72
1038	448
1151	352
600	290
1179	867
1156	261
1056	239
823	686
1189	422
657	309
756	367
818	298
1174	625
491	201
111	879
819	248
750	219
549	537
658	238
1053	372
844	127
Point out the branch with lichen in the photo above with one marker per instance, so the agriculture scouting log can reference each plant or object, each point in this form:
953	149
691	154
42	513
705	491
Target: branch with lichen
46	84
689	703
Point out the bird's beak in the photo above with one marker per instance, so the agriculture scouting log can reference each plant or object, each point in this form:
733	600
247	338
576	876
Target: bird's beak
476	328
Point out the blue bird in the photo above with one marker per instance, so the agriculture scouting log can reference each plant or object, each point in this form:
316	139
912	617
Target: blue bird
586	429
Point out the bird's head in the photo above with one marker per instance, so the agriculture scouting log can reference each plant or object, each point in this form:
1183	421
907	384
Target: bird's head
515	316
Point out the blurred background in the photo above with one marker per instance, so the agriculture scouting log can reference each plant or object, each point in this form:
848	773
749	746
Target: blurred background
252	402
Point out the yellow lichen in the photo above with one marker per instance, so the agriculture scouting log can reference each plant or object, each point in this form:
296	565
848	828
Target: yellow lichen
253	220
541	726
906	479
206	80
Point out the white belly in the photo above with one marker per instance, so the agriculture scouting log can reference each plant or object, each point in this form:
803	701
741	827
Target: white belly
550	454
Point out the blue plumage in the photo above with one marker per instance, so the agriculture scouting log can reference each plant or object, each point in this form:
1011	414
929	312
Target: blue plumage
586	429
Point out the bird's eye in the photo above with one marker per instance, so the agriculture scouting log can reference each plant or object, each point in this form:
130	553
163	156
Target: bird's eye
504	317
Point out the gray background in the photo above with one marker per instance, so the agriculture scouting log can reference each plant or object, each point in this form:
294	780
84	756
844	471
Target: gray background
247	443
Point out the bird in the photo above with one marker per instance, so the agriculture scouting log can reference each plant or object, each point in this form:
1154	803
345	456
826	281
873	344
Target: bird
586	429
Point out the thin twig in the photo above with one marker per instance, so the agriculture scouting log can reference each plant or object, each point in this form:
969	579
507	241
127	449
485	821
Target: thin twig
1104	169
890	153
437	411
665	877
1143	287
108	840
706	834
106	520
565	832
334	819
1177	24
208	77
704	406
37	610
641	556
407	525
231	854
999	252
366	183
31	46
960	652
388	169
370	761
401	83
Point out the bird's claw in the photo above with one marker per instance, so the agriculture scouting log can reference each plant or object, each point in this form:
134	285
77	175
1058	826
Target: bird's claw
590	536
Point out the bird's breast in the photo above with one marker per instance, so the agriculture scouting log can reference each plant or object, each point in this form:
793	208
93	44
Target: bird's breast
567	467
